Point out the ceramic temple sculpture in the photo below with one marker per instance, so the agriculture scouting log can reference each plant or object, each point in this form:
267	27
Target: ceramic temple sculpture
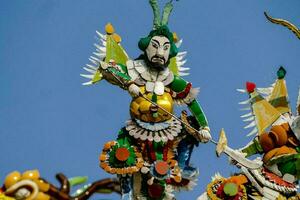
30	186
277	136
151	154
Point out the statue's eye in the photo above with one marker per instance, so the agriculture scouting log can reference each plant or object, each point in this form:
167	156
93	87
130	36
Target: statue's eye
154	45
166	47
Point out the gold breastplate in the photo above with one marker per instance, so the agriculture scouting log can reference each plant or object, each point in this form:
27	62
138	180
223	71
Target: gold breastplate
140	108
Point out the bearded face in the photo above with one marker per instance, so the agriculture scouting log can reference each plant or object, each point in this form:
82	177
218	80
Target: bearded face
158	51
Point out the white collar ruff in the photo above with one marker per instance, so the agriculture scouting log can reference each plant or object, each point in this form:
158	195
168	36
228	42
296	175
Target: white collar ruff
154	80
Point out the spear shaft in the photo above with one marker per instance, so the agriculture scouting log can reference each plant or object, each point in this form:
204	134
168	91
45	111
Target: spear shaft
163	109
226	149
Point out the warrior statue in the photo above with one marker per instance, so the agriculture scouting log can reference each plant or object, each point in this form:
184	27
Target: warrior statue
277	138
151	154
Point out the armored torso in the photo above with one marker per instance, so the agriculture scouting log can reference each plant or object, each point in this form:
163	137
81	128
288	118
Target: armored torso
143	110
153	85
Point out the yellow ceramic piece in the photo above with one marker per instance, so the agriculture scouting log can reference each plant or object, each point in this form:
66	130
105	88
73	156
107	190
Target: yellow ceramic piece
173	163
286	126
97	77
109	28
139	164
12	179
108	145
102	157
42	196
175	37
103	165
146	118
108	169
143	89
3	197
43	186
176	170
138	155
239	180
31	174
284	150
138	100
266	142
119	170
140	107
265	113
177	179
279	97
117	38
279	135
135	169
134	108
113	170
166	104
144	106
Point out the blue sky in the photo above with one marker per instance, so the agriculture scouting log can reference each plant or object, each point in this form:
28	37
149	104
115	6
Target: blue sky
49	121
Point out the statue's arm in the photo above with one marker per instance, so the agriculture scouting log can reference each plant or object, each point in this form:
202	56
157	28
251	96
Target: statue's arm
184	93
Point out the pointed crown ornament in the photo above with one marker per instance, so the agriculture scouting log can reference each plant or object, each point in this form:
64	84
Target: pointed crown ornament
270	106
265	114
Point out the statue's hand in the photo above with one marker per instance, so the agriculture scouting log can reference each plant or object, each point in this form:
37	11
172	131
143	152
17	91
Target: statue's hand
103	65
134	90
204	135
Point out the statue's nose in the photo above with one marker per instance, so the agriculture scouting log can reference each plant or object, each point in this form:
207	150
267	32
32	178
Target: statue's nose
160	51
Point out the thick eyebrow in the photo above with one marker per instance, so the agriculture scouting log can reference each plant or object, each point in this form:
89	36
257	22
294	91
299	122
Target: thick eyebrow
166	43
154	40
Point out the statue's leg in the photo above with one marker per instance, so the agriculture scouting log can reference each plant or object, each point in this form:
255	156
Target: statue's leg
184	152
126	187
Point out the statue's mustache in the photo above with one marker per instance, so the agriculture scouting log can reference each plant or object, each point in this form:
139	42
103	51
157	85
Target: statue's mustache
158	57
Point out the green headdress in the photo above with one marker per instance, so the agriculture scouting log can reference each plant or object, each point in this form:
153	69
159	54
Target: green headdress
160	27
161	21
